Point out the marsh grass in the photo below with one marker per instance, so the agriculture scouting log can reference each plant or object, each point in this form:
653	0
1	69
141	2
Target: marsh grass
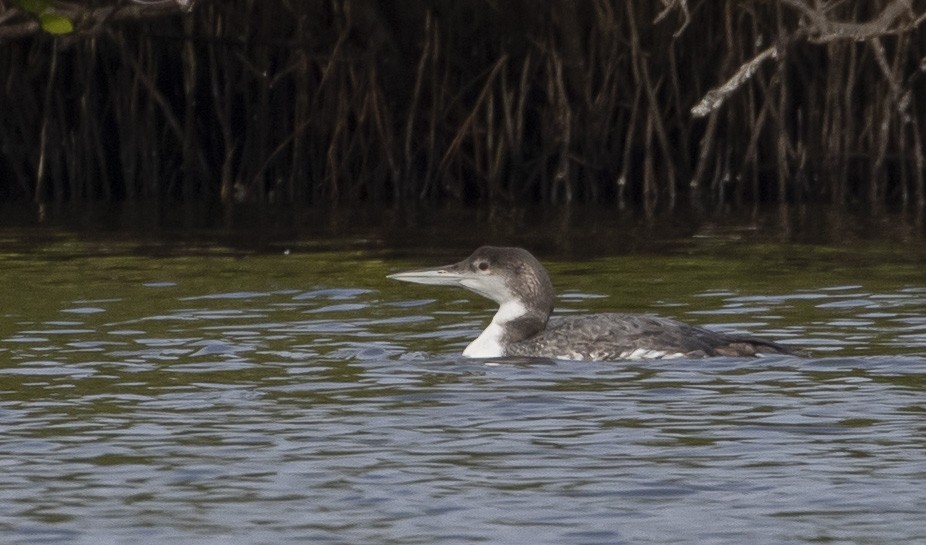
348	101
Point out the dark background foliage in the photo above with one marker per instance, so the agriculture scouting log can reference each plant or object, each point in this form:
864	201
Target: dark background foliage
344	101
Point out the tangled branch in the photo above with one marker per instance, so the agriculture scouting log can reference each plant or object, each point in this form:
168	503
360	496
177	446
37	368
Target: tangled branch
817	28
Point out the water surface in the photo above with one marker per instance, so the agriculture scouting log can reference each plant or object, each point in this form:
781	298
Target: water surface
161	388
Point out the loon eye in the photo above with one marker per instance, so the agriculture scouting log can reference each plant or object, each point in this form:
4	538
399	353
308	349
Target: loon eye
483	266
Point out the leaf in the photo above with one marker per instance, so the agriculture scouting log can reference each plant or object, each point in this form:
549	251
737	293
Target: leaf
56	24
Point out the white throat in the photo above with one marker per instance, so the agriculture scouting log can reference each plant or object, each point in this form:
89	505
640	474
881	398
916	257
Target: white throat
489	343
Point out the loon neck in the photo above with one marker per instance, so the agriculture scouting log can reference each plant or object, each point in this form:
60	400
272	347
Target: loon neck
513	322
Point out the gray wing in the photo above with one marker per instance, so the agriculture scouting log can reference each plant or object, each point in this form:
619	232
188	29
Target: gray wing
633	336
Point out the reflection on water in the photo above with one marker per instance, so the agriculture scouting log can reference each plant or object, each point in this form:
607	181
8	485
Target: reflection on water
246	398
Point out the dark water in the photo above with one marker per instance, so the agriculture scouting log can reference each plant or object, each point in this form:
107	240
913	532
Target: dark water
204	386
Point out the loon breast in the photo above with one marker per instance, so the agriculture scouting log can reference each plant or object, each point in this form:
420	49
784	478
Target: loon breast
494	341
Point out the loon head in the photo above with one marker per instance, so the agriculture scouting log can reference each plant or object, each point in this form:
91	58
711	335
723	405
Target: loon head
511	277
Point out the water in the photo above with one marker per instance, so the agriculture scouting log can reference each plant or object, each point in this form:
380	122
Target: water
206	390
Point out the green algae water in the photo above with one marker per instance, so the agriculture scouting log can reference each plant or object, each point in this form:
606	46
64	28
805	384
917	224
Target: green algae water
238	385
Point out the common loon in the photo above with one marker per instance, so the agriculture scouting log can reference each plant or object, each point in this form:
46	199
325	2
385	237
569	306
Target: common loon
514	279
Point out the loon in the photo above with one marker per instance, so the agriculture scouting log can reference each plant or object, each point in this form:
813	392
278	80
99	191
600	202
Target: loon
516	280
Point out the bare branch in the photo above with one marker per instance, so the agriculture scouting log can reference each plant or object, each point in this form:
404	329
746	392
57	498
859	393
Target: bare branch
715	97
669	5
821	29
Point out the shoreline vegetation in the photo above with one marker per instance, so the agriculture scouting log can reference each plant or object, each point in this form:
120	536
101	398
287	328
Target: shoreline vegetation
339	102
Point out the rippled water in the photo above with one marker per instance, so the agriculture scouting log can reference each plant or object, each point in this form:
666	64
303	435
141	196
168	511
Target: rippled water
206	395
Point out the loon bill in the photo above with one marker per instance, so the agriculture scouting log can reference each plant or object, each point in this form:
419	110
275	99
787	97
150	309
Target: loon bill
514	279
